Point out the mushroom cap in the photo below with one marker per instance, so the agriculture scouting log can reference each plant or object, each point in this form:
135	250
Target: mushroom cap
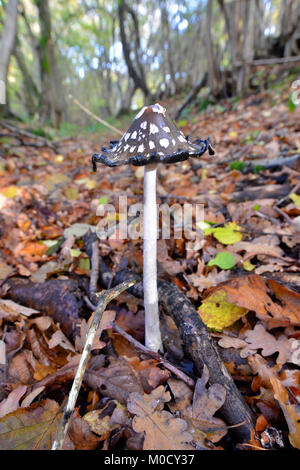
151	138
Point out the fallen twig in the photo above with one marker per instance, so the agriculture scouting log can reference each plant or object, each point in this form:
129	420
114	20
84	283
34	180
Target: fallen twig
87	111
94	268
19	133
104	299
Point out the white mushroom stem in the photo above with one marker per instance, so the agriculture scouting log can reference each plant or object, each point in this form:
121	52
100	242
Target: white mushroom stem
152	331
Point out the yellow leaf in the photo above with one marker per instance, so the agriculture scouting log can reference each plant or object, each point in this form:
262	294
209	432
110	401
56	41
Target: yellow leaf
10	192
59	159
91	184
55	180
227	235
233	134
248	266
71	193
296	199
217	313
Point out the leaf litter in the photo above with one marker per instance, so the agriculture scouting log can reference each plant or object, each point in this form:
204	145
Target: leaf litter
243	276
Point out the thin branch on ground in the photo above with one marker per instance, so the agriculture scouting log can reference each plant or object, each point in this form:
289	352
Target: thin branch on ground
104	298
179	373
89	113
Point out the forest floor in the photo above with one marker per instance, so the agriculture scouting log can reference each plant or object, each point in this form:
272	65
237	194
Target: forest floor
242	276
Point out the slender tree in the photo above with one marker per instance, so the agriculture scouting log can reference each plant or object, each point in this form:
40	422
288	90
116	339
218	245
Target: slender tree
52	98
7	42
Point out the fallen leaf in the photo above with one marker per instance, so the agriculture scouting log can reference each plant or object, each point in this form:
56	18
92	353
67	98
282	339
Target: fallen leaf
11	403
5	270
102	423
259	338
116	381
291	412
228	235
58	338
11	310
206	402
217	313
223	260
81	435
271	301
31	428
162	430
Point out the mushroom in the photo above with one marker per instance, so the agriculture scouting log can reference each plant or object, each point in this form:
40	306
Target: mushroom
152	138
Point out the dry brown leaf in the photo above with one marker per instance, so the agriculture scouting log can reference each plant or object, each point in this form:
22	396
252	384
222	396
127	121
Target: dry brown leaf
31	428
213	278
11	403
81	435
254	293
291	412
182	396
116	381
22	367
162	430
58	338
132	323
266	245
31	396
168	264
102	422
259	338
206	402
10	310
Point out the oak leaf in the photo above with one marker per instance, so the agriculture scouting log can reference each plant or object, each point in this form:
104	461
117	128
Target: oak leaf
162	430
206	402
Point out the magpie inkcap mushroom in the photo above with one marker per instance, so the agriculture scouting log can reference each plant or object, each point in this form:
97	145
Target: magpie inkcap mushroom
152	138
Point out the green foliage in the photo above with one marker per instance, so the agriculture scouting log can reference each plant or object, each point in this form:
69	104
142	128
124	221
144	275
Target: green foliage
202	103
251	136
68	129
237	165
182	123
228	235
223	260
258	168
39	132
291	104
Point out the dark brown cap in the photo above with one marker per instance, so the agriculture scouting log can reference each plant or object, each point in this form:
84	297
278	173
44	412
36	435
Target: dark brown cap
151	138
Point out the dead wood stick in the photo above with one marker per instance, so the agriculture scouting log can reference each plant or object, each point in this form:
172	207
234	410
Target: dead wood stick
89	113
250	164
199	344
271	61
94	269
21	132
179	373
192	96
104	299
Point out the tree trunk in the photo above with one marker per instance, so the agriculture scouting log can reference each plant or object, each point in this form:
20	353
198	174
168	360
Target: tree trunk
135	71
6	45
52	100
31	93
248	46
213	75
